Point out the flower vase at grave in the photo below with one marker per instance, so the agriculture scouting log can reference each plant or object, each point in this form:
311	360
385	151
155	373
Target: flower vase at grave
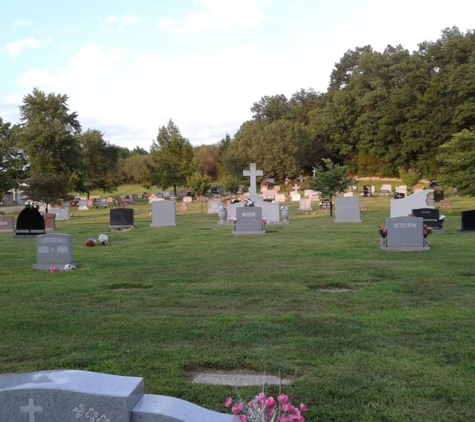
285	214
222	216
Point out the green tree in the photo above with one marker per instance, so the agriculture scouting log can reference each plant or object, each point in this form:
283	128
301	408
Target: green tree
98	163
409	177
12	160
198	183
330	179
48	136
46	187
456	160
206	160
172	158
134	169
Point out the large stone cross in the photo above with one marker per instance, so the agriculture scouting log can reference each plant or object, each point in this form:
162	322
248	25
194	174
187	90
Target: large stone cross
253	173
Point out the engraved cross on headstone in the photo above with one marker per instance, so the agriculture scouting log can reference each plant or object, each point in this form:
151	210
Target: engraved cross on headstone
31	409
253	173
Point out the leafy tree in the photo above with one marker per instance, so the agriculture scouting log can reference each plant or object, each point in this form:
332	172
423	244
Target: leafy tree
47	188
456	159
48	136
206	159
12	160
134	169
172	158
272	108
330	179
230	183
98	163
199	183
409	177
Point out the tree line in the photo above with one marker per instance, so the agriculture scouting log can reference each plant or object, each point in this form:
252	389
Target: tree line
384	114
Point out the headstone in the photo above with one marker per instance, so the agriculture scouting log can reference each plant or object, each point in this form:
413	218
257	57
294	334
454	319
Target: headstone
401	189
6	223
314	196
305	205
50	221
81	396
187	199
295	197
270	210
83	205
307	193
347	210
184	206
67	204
468	221
367	191
280	197
121	218
446	205
252	173
354	188
405	234
8	199
384	192
403	207
264	186
430	216
53	250
269	194
102	203
438	194
163	213
249	221
61	213
387	187
134	197
348	194
30	222
213	207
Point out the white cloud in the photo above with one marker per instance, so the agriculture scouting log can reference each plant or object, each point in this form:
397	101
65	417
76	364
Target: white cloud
111	19
15	48
17	23
218	15
130	20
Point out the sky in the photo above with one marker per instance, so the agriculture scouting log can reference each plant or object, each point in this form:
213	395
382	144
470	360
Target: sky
128	67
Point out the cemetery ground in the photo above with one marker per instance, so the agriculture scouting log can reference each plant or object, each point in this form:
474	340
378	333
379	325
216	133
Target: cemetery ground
365	335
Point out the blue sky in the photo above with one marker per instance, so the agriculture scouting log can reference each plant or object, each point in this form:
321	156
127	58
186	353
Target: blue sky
128	67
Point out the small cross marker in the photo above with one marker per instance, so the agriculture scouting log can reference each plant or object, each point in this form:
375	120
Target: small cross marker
31	409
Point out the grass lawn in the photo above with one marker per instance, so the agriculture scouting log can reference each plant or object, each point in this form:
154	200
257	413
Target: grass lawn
165	303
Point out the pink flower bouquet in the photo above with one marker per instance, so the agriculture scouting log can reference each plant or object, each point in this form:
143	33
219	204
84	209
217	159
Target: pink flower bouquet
266	409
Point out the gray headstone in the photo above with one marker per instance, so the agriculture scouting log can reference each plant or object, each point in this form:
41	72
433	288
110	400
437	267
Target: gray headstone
270	210
163	213
404	234
347	210
305	205
213	207
53	250
83	205
249	221
61	213
101	203
81	396
6	223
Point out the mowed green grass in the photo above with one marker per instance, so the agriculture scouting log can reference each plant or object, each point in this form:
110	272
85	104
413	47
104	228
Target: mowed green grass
165	303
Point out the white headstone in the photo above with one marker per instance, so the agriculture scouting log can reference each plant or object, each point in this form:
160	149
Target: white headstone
403	207
305	205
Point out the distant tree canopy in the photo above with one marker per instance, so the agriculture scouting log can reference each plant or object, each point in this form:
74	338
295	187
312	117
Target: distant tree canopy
384	114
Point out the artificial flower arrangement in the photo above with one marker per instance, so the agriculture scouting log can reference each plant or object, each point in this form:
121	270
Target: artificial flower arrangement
265	221
266	409
427	230
222	208
248	202
233	220
284	208
90	242
383	231
103	238
442	219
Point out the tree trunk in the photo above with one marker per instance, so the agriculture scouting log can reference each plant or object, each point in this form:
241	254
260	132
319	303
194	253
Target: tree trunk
331	207
174	190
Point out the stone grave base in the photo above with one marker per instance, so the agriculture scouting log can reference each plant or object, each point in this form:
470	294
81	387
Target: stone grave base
386	249
122	228
466	231
349	222
59	267
235	233
25	234
438	231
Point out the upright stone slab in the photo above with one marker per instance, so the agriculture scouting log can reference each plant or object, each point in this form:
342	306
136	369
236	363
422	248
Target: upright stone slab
29	223
81	396
213	207
121	218
53	250
468	221
67	396
249	221
83	205
347	210
61	213
101	203
6	223
430	217
405	234
270	210
404	206
163	214
305	205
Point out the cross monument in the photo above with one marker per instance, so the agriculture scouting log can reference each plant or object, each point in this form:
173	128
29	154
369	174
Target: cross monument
253	173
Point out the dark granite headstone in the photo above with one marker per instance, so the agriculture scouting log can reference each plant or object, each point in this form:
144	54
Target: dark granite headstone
468	220
30	222
367	191
121	218
399	195
438	194
429	215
